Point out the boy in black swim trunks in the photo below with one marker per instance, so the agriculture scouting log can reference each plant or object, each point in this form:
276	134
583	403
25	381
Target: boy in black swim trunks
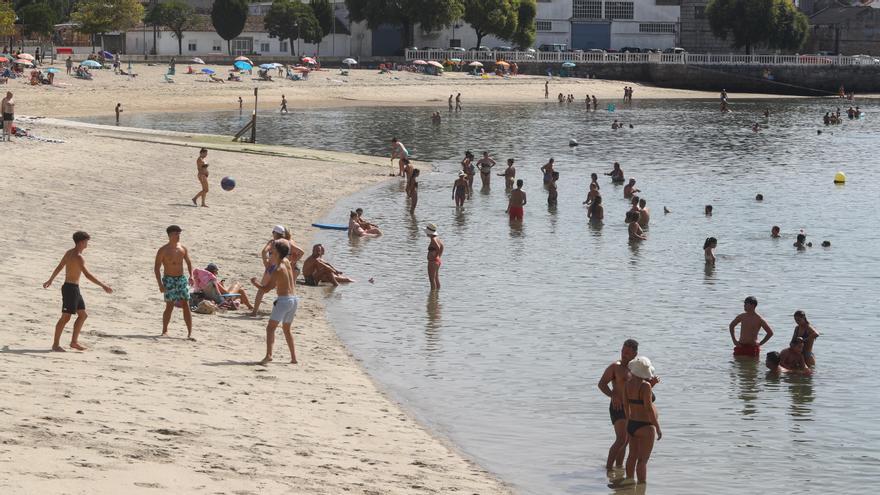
617	374
71	299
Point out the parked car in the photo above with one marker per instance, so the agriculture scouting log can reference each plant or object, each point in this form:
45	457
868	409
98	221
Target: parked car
502	49
675	50
595	50
630	49
814	59
479	49
430	48
553	47
456	49
865	60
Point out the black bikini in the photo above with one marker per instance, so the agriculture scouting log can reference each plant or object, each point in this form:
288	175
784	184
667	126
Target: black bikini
632	425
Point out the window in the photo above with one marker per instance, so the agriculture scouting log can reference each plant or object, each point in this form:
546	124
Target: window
699	11
282	47
586	9
191	46
264	47
217	47
544	25
657	27
667	2
619	10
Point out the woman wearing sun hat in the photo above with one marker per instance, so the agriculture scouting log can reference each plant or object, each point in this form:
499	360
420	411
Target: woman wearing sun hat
642	420
435	251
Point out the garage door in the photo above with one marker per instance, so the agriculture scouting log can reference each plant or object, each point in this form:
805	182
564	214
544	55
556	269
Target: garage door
387	41
590	35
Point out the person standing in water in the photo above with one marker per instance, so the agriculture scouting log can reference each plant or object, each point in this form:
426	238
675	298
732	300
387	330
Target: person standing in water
709	250
616	173
635	230
285	306
509	175
516	201
450	103
413	191
596	212
398	150
805	331
616	375
467	166
547	171
435	253
74	264
643	422
644	213
458	102
750	324
202	171
459	190
485	165
174	283
546	89
552	193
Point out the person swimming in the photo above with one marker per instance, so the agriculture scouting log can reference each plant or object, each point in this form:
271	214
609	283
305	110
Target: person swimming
616	173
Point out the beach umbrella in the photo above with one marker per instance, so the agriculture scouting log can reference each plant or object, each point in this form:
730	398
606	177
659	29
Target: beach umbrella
244	59
502	63
90	63
197	60
568	65
106	54
267	66
208	71
309	60
3	59
300	68
419	62
242	65
350	61
475	64
22	61
455	60
25	56
53	70
435	64
277	65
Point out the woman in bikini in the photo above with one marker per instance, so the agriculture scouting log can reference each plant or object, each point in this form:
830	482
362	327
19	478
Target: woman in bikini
435	252
805	331
459	190
642	420
202	167
467	166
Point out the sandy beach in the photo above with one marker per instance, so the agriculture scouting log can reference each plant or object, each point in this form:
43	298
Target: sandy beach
141	414
148	92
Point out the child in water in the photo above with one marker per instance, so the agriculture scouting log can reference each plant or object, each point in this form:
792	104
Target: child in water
709	249
551	189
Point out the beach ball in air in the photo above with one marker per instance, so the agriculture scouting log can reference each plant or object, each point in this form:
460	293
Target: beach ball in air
840	178
228	183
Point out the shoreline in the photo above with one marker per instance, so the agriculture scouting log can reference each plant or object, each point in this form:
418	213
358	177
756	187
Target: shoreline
363	437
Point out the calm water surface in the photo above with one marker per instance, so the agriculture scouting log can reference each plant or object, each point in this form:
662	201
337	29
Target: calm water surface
505	358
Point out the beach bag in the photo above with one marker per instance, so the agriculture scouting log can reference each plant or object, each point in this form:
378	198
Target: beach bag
206	308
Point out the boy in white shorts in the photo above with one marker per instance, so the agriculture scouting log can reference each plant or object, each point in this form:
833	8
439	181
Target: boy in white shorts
284	308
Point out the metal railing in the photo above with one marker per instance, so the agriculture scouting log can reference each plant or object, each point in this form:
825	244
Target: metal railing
638	58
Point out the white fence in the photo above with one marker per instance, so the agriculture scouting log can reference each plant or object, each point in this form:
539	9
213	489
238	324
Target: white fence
638	58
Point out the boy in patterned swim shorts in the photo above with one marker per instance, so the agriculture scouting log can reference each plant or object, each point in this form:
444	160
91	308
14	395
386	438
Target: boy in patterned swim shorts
174	284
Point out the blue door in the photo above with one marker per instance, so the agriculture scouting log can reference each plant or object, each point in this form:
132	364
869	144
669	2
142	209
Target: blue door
387	41
590	35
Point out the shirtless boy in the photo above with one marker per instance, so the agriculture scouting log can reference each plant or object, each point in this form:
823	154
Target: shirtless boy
71	301
7	108
750	324
516	202
202	171
174	284
509	175
630	189
793	357
284	308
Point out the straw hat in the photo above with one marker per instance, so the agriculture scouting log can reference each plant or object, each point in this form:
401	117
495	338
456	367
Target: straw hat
641	367
431	230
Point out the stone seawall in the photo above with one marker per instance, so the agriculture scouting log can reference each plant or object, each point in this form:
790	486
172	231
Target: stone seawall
810	80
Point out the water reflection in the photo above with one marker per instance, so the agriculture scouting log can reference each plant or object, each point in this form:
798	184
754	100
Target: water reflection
433	324
800	388
745	372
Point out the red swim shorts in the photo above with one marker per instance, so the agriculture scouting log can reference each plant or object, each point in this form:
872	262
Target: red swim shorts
516	212
747	350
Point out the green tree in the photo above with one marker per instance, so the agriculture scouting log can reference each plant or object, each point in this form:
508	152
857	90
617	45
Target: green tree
37	18
792	27
96	17
229	17
498	17
324	14
749	23
7	19
431	15
174	15
292	20
524	36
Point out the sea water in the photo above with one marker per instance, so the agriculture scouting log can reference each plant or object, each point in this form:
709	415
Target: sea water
505	358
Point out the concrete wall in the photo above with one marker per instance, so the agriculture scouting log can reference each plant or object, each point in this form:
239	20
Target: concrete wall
206	43
799	80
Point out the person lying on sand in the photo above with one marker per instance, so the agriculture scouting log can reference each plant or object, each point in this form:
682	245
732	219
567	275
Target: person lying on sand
316	269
